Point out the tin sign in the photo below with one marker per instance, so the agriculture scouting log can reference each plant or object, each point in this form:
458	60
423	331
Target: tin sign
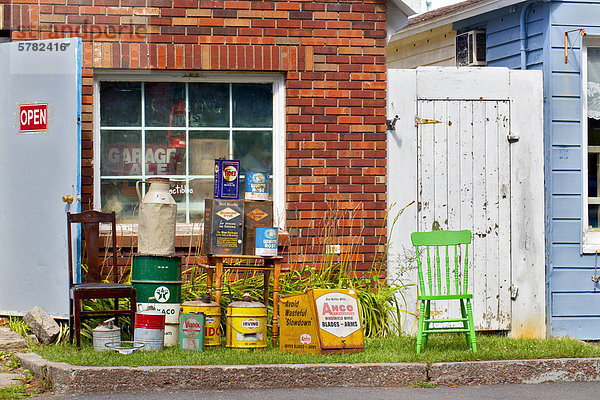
338	314
33	117
266	242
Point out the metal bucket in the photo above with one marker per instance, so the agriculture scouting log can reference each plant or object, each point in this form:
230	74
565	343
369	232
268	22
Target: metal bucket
149	329
105	333
212	318
191	333
246	324
159	278
171	334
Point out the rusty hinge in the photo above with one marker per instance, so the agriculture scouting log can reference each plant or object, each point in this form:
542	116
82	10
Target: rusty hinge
514	291
511	137
422	121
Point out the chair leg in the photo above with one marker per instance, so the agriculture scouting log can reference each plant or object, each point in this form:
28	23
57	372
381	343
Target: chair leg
425	323
420	326
77	318
133	309
471	326
71	320
463	312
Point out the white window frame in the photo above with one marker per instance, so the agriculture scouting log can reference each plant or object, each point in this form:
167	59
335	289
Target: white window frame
278	82
591	236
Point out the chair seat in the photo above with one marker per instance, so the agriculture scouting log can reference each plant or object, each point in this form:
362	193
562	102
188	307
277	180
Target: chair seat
445	297
101	286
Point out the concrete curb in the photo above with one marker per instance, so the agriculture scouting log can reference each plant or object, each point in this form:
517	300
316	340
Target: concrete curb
71	379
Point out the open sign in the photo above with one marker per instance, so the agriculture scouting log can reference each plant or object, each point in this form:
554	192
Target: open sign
33	117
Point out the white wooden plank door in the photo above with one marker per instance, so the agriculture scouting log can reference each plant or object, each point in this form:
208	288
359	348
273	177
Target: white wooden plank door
463	173
463	168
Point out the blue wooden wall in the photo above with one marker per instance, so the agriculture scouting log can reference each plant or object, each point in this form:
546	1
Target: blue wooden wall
573	304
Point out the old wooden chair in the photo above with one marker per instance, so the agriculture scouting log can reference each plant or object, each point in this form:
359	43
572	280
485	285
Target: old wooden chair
95	287
446	278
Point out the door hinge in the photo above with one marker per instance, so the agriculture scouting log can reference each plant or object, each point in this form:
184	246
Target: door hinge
422	121
514	291
512	138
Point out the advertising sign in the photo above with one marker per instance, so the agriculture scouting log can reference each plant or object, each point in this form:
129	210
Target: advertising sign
321	321
33	117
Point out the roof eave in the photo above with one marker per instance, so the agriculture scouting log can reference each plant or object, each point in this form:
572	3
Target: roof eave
405	8
453	16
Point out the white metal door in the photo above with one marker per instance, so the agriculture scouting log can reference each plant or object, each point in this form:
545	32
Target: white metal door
466	152
39	164
463	180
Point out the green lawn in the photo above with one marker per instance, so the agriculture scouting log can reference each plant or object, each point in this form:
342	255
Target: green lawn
393	349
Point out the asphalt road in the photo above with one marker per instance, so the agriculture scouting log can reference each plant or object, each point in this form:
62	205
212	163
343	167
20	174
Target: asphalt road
545	391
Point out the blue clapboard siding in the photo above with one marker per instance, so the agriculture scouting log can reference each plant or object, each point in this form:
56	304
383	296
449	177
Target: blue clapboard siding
574	306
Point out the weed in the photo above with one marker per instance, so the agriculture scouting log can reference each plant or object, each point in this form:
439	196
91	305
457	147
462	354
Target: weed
14	363
423	385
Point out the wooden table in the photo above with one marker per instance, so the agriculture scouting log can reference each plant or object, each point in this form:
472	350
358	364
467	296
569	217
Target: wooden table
216	263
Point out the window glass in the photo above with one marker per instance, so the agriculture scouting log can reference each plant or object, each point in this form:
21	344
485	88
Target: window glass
164	104
121	153
119	195
165	152
209	104
253	149
223	120
205	148
121	104
252	105
593	96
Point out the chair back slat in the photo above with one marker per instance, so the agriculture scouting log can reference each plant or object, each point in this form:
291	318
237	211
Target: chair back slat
90	226
447	272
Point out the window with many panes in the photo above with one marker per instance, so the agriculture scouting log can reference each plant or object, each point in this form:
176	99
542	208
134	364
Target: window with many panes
176	130
591	123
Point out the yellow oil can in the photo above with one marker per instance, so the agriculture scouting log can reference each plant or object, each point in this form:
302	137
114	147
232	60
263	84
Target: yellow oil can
212	320
246	324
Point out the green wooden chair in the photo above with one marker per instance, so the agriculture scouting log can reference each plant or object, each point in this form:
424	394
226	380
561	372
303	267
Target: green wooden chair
446	277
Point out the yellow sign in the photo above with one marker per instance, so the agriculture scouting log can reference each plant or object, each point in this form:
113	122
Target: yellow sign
321	321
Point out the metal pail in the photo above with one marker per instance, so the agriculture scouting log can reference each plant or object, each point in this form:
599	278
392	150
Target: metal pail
107	332
212	318
191	333
246	324
149	329
159	278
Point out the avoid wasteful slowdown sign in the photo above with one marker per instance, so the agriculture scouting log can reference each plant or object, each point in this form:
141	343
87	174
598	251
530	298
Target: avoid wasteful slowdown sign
321	321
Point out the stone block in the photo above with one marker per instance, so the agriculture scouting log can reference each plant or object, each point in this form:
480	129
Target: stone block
43	326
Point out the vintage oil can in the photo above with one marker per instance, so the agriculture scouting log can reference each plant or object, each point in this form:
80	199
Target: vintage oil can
227	179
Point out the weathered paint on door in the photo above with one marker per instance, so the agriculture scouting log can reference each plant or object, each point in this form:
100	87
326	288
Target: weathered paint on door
36	170
463	180
462	172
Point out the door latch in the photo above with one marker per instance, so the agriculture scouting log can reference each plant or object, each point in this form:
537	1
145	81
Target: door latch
512	138
423	121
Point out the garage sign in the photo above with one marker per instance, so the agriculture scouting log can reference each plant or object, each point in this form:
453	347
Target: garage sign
33	117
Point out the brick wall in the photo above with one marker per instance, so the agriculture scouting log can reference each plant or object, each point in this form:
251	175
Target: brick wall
332	54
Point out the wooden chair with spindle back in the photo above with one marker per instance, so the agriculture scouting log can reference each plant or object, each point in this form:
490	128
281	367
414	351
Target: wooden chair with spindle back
94	286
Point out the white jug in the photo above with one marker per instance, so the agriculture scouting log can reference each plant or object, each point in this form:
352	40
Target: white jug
156	219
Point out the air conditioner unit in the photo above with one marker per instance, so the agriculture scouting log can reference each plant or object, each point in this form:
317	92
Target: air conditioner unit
470	48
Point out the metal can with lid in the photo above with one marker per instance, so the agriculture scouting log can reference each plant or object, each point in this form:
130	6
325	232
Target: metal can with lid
246	324
107	332
212	320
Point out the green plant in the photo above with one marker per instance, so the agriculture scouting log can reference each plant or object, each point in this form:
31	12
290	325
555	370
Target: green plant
19	326
13	363
423	385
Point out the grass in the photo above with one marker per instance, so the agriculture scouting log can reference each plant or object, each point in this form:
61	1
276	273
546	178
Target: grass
441	348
